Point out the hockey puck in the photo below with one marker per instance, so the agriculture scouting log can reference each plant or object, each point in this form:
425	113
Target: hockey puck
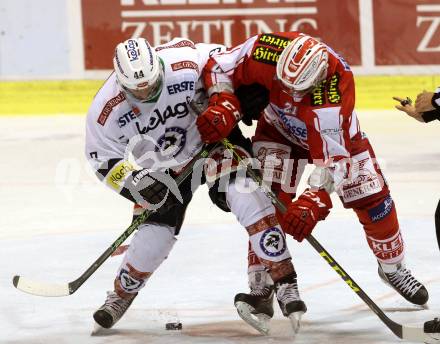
173	326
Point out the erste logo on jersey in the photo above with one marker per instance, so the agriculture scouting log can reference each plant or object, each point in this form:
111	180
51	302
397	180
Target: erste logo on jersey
181	87
157	118
172	142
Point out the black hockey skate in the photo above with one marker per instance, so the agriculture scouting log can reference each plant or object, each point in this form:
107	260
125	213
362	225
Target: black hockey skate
399	278
290	302
256	308
112	310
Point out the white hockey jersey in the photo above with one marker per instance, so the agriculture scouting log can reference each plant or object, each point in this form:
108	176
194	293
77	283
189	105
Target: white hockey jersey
124	134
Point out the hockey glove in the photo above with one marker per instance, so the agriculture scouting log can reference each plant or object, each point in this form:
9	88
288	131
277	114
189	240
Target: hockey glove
153	190
303	214
253	100
218	120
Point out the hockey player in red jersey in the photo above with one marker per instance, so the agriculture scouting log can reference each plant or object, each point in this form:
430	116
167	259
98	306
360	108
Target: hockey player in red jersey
310	115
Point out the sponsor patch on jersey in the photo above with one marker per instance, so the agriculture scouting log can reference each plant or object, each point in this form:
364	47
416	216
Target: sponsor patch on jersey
363	181
185	65
116	176
181	87
274	41
274	159
389	249
266	55
318	95
333	93
182	44
221	162
327	91
293	125
172	142
382	210
157	118
128	117
108	107
272	242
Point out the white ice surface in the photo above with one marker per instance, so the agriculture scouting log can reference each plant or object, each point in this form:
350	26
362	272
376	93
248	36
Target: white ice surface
56	219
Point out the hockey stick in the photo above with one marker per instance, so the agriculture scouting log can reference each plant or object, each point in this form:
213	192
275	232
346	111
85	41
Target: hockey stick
437	223
423	334
54	289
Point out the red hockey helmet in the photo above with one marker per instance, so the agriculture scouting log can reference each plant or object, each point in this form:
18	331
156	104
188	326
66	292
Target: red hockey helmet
303	64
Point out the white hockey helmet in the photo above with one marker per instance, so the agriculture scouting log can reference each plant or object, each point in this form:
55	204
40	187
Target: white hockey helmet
138	68
303	64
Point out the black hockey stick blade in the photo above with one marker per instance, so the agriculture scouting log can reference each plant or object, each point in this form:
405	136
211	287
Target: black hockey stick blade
437	223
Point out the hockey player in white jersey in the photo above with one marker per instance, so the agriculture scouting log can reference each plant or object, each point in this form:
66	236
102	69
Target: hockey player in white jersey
141	132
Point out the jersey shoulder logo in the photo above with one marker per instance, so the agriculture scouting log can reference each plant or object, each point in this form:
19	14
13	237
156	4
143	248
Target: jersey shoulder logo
185	65
269	48
108	107
182	44
274	41
327	91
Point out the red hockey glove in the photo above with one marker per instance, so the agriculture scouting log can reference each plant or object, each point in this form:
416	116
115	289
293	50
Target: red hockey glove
218	120
303	214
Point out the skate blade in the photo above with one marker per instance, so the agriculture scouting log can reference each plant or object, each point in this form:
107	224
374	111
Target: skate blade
260	322
98	330
432	338
295	321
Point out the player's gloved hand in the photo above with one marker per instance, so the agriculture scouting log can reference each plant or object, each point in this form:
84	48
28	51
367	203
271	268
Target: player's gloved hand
158	189
218	120
303	214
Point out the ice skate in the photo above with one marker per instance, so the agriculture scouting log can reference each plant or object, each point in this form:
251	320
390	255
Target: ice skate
290	302
400	278
112	310
256	308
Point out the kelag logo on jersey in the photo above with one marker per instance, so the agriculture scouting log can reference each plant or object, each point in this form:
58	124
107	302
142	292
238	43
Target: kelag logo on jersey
296	127
172	142
156	118
382	210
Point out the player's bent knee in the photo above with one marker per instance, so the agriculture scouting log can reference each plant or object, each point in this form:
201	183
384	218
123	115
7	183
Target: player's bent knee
249	205
150	246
